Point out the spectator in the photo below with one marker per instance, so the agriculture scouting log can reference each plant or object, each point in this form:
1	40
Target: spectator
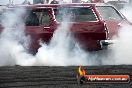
97	1
88	1
32	19
10	2
54	2
61	1
130	2
26	2
47	1
76	1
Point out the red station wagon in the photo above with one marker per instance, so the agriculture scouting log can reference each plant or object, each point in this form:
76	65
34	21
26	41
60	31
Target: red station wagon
93	25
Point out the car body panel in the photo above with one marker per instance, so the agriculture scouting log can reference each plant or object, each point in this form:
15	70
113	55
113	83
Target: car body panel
113	19
87	34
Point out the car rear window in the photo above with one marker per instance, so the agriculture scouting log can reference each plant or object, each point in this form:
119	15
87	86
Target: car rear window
77	14
108	12
37	17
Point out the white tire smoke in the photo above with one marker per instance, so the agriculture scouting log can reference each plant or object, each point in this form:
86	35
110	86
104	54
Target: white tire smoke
14	46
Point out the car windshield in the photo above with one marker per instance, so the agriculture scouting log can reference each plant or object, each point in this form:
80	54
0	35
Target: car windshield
76	14
108	12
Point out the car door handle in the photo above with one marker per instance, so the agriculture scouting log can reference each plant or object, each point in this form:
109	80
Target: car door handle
46	27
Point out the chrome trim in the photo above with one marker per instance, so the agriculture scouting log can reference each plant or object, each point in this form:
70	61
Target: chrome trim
104	43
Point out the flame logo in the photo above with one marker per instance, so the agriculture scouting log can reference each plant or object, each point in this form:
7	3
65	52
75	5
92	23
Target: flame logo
81	71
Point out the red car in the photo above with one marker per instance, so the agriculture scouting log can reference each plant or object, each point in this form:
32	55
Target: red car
93	26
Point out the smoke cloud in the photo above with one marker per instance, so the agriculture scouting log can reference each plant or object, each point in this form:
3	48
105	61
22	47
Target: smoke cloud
59	51
121	50
13	41
62	49
15	44
127	14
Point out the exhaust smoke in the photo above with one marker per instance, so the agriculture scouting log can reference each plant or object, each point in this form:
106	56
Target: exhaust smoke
13	41
59	51
128	13
123	47
120	52
62	50
15	44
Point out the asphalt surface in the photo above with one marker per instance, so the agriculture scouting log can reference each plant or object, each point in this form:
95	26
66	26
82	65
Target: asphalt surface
58	77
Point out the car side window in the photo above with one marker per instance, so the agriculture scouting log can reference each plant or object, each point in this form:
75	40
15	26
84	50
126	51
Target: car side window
44	18
77	14
32	19
38	17
108	12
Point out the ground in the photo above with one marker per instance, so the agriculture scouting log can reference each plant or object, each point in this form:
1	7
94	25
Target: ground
58	77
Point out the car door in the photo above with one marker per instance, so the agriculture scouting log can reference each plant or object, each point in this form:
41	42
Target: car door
86	29
39	26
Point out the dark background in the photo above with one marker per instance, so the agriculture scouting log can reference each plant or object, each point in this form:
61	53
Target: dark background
58	77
